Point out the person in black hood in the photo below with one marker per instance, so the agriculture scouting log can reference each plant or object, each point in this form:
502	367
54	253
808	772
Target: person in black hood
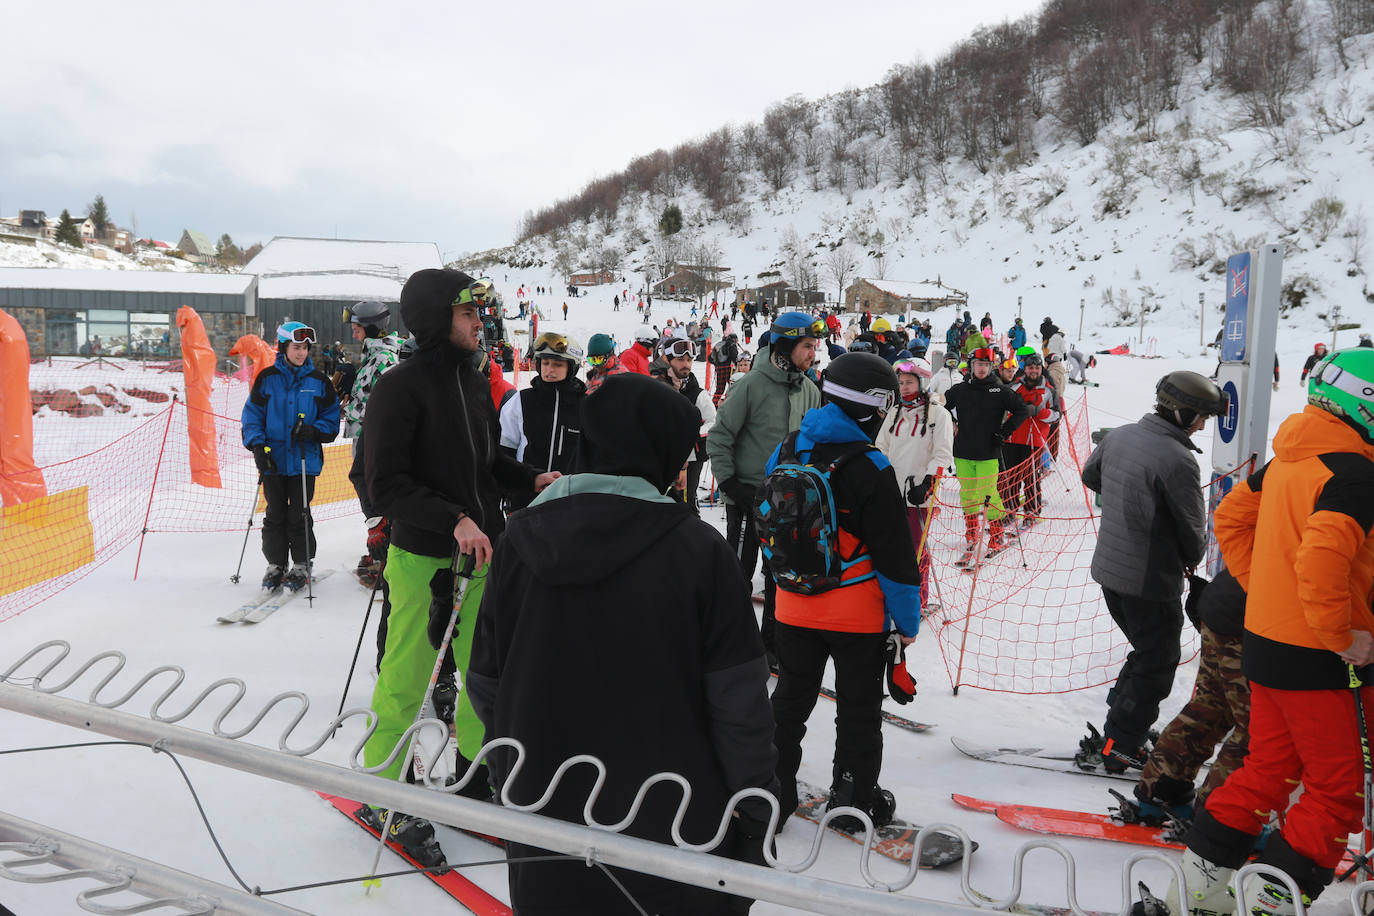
434	469
675	684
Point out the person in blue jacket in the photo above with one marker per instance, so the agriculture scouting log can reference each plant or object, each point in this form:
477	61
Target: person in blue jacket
290	413
1017	334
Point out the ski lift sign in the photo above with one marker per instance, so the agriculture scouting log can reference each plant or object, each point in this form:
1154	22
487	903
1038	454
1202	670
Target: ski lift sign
1247	357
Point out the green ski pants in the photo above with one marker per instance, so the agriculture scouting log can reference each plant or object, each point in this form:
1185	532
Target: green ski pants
977	481
409	658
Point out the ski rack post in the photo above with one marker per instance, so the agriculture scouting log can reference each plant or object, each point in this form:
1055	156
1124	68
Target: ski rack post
593	843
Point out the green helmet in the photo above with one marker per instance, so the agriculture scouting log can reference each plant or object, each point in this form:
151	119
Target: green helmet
601	345
1343	384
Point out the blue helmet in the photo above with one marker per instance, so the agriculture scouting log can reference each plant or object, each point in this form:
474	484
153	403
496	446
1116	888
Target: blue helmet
794	326
295	332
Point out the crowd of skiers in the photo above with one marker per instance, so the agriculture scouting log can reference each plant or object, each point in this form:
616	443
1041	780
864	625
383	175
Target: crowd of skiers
575	499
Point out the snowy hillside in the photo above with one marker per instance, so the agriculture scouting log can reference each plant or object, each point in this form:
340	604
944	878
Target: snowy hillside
1140	217
93	256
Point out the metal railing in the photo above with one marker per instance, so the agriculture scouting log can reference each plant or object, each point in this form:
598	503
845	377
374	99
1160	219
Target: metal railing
784	883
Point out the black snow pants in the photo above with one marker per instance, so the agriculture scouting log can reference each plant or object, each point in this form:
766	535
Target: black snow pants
1153	629
287	524
859	665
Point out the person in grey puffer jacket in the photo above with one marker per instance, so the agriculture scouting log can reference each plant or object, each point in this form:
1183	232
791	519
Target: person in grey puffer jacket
763	407
1152	534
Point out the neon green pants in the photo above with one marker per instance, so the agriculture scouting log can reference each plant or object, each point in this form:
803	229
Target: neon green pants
409	658
977	482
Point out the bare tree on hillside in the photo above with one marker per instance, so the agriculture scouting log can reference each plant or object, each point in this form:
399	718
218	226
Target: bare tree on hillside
1264	60
840	266
1347	19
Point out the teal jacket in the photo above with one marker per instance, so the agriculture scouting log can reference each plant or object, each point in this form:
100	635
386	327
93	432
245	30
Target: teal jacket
764	406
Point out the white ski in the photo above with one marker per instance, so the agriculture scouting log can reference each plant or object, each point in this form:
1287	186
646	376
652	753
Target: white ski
243	610
268	608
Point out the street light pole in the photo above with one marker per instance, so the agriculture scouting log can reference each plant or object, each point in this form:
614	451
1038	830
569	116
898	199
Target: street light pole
1082	306
1335	325
1201	320
1018	306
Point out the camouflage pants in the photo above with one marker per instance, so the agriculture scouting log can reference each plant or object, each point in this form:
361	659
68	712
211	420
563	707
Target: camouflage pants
1220	704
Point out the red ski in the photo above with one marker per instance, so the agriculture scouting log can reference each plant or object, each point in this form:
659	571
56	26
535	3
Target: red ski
1085	824
476	899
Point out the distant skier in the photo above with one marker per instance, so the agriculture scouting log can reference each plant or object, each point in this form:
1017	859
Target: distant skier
1017	335
1318	354
1078	363
289	414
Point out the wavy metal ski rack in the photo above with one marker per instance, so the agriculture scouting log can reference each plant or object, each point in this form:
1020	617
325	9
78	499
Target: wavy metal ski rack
783	884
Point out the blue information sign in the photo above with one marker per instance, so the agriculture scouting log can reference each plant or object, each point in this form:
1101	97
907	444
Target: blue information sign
1227	425
1233	333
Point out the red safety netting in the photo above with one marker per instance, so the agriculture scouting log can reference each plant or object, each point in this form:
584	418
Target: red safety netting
1031	619
137	480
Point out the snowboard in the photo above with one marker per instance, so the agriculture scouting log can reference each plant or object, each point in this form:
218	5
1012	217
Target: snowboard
474	898
896	841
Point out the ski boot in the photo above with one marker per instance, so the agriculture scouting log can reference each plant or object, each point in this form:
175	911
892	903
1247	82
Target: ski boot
1172	811
996	544
414	835
272	579
297	578
1269	895
881	807
970	542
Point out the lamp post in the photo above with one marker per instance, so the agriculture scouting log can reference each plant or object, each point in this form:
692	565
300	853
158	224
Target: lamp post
1082	307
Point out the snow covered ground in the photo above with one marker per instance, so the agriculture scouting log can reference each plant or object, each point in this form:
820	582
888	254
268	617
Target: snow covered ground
278	835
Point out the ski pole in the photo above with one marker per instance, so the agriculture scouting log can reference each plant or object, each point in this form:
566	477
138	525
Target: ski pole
252	510
930	518
305	517
464	571
359	648
1368	760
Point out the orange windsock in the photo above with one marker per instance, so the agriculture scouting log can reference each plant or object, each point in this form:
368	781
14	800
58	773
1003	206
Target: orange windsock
260	352
20	479
198	366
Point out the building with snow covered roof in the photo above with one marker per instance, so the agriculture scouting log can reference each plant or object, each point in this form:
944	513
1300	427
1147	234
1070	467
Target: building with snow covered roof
196	247
313	280
887	296
132	312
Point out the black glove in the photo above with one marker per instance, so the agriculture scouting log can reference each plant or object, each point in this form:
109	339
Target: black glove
262	457
748	838
741	494
901	686
378	539
916	493
440	606
1193	605
304	432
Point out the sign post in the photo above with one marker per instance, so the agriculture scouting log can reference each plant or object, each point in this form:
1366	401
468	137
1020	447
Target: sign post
1241	443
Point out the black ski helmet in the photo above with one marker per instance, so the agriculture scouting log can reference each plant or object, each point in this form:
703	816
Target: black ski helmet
370	315
863	385
1182	396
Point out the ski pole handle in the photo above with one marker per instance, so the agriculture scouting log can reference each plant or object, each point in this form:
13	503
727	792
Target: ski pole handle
466	565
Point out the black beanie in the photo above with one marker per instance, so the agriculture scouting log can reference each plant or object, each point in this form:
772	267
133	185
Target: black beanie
636	426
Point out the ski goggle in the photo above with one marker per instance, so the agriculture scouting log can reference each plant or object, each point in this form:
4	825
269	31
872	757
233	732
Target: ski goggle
302	335
478	293
676	349
598	361
862	346
910	368
1010	364
551	341
880	399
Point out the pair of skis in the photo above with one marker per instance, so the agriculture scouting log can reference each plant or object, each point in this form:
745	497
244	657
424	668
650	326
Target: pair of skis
267	602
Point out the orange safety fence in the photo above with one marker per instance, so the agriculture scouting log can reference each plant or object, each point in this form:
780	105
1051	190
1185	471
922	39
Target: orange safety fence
114	446
1030	619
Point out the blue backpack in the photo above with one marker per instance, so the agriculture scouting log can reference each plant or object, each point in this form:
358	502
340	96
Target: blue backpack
798	526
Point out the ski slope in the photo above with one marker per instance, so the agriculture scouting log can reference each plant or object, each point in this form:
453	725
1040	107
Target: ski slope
278	835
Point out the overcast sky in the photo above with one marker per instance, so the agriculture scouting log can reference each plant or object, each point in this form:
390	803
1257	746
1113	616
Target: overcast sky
428	121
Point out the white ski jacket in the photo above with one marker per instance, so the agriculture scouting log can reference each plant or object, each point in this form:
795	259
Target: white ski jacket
915	455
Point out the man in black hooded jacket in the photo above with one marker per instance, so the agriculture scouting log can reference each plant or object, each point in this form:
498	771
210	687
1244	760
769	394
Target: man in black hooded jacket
434	469
675	681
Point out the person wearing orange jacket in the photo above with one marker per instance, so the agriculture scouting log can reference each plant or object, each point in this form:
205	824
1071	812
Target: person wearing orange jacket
635	358
1297	536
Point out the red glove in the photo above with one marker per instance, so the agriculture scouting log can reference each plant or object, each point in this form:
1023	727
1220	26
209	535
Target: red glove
378	539
901	686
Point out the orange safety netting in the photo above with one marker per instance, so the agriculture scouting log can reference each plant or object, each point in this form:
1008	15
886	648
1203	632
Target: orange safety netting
1031	619
114	446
